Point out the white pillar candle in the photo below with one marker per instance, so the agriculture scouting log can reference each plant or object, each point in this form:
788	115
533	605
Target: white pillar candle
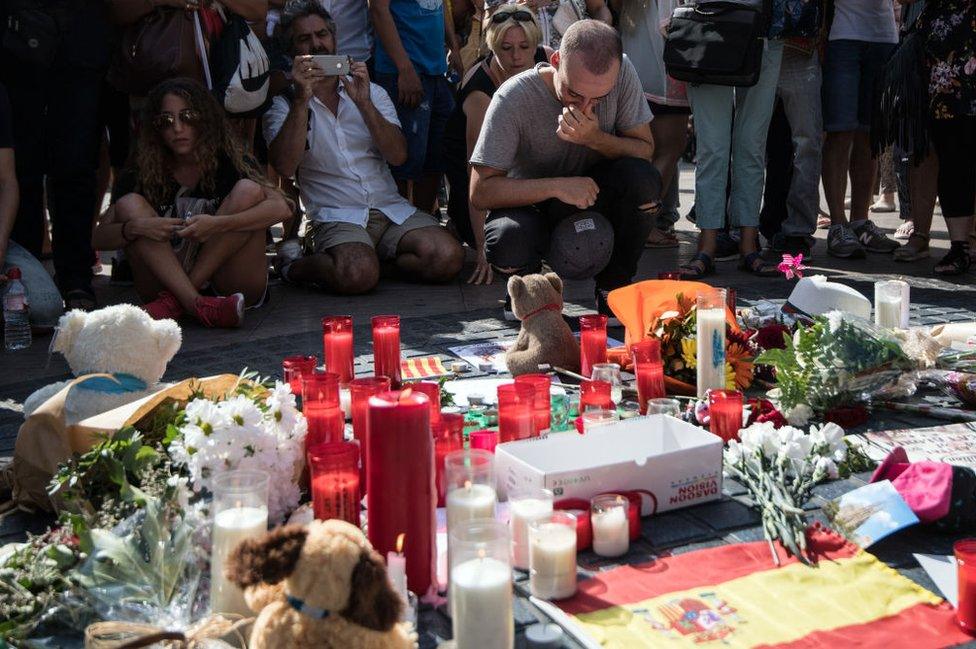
523	511
611	532
710	349
891	303
481	604
552	560
231	526
469	502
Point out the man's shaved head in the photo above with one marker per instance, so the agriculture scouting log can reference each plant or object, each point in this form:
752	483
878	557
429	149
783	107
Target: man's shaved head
594	44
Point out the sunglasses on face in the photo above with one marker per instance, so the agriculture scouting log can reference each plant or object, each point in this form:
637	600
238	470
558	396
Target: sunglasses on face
519	16
187	116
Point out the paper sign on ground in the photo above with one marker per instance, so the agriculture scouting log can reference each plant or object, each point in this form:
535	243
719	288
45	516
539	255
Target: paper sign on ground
493	352
950	443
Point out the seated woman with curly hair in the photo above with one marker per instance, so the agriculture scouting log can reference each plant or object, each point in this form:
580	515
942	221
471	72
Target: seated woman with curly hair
193	211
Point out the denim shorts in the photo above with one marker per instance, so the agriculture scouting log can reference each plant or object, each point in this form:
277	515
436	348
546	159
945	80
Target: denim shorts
850	71
423	126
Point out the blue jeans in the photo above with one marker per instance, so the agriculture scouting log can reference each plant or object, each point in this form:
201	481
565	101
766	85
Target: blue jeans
731	123
850	70
423	125
43	296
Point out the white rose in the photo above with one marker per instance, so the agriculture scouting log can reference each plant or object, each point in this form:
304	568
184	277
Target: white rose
827	466
799	415
733	454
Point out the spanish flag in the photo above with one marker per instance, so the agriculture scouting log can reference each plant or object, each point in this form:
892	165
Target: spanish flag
733	596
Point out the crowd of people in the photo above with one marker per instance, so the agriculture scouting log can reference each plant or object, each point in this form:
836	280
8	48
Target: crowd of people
384	136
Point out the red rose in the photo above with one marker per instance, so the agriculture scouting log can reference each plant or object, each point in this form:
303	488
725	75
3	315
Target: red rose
771	336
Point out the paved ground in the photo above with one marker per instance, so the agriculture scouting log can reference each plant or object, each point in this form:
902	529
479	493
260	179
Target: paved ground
436	317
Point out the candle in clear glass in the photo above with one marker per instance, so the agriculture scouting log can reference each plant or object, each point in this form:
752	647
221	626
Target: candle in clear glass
400	493
516	412
609	372
448	438
293	368
596	417
335	481
725	413
360	390
611	529
386	347
581	510
891	302
485	440
710	326
480	586
649	369
320	404
552	556
595	395
670	407
433	392
240	509
965	551
542	384
593	342
524	506
470	481
337	346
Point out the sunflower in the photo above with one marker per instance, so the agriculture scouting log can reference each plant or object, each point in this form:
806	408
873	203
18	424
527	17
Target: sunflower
689	352
729	377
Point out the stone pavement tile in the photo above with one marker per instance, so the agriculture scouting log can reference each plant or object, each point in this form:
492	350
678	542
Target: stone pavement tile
834	488
699	545
673	528
896	550
731	487
746	535
724	514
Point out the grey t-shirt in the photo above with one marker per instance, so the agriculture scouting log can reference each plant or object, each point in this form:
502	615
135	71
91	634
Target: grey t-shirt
519	132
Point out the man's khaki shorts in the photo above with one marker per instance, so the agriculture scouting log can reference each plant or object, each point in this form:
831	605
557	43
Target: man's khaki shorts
380	232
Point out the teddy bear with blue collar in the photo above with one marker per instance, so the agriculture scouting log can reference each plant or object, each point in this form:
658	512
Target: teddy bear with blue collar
123	345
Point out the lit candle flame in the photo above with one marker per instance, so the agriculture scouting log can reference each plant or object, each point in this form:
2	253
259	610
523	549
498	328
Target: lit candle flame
399	543
481	553
405	394
467	485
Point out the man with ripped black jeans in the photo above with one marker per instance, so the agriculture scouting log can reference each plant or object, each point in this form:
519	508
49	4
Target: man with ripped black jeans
570	140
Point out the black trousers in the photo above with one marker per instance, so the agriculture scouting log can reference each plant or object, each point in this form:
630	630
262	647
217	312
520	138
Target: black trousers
519	237
779	173
56	142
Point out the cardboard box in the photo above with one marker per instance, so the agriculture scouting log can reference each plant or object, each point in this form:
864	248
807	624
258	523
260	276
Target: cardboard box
678	463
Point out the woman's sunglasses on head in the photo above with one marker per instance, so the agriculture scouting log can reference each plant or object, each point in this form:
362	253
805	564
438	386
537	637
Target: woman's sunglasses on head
187	116
519	16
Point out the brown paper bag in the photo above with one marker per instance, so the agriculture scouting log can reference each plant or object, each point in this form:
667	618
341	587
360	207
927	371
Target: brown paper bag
44	440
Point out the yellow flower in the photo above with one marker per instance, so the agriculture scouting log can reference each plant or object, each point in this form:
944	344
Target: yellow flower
729	377
689	352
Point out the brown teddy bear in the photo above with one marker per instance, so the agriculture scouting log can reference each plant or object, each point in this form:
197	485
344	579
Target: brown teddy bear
537	300
319	586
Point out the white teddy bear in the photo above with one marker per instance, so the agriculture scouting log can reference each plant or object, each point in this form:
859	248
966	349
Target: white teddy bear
121	340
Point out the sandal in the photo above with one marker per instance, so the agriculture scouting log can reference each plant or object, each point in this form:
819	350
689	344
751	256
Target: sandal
908	252
955	263
699	266
754	263
658	238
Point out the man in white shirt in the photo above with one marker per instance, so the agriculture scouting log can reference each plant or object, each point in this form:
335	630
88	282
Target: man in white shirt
337	140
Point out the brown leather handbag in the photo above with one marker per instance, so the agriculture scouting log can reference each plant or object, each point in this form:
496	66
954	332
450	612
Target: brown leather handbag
159	46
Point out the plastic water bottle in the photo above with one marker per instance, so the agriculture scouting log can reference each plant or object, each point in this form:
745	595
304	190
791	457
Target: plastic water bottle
16	313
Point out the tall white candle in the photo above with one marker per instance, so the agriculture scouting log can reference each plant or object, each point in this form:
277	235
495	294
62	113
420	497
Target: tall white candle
552	561
891	303
469	502
231	526
711	349
522	512
481	604
611	532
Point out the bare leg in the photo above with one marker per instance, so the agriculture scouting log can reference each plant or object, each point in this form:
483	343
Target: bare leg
347	269
836	162
670	139
923	184
864	169
246	270
430	254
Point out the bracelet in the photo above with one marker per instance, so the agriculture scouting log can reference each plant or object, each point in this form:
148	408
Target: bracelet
125	238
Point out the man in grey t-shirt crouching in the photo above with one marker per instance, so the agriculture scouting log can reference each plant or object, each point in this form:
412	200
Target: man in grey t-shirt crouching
558	141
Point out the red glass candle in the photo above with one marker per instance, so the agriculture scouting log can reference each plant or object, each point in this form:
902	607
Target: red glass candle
433	392
293	368
649	369
386	347
579	508
360	390
541	383
485	440
320	403
593	342
337	346
725	413
448	437
335	481
400	492
595	394
516	412
669	274
965	551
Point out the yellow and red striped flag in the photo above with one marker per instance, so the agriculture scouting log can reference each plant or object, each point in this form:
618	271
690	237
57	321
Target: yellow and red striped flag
733	596
422	367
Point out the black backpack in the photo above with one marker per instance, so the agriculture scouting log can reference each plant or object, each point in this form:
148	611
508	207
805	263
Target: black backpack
717	42
34	29
239	69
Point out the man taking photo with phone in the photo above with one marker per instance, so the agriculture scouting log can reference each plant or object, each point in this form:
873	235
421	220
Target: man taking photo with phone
336	135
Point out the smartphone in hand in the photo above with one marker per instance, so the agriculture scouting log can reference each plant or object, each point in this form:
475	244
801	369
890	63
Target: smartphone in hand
333	65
